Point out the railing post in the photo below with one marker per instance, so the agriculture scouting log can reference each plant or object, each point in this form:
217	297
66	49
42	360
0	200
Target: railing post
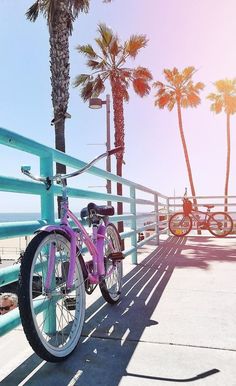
133	224
47	198
47	213
156	204
168	214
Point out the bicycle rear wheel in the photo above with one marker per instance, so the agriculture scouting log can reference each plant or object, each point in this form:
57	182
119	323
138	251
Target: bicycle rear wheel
220	224
111	285
180	224
52	320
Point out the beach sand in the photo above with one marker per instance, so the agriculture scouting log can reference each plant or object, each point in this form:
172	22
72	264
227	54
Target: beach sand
10	248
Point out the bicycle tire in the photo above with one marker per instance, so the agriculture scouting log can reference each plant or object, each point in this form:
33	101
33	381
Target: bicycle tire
215	222
56	341
180	224
111	286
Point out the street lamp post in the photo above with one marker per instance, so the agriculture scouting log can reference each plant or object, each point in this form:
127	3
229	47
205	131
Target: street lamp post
96	103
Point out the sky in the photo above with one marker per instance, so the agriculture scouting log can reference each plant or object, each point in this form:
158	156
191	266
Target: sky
181	33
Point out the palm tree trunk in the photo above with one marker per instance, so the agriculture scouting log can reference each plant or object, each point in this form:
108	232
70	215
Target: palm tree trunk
227	162
118	108
186	155
60	78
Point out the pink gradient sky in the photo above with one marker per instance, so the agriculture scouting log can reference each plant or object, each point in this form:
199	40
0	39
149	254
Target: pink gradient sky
181	33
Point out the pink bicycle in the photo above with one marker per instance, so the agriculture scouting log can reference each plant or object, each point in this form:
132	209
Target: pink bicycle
55	274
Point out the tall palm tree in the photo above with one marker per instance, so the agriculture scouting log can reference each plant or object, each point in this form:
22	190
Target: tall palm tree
225	99
60	15
109	63
182	92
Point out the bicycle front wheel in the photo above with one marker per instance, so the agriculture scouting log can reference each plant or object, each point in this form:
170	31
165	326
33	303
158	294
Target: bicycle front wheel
180	224
220	224
52	320
111	285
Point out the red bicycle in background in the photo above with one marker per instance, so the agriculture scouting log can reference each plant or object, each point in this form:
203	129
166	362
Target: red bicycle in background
219	224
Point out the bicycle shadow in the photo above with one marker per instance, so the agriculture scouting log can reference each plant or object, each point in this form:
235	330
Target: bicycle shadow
111	333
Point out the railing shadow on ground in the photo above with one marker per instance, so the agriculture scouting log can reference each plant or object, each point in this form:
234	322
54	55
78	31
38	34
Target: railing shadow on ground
112	333
201	251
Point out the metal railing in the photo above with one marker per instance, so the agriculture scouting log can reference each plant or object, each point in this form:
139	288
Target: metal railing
136	197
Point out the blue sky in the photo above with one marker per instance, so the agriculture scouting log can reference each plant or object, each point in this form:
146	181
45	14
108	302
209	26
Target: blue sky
181	33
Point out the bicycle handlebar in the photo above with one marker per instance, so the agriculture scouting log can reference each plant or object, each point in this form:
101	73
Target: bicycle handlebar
60	177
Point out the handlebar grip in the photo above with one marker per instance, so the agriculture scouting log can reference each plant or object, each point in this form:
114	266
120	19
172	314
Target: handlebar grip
115	150
25	169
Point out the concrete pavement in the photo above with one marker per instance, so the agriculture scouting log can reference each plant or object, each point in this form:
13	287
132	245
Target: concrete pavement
176	323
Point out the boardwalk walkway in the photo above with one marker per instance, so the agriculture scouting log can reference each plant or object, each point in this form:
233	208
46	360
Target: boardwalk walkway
176	323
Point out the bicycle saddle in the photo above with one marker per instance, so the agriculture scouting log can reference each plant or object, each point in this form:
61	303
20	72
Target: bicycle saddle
209	206
102	210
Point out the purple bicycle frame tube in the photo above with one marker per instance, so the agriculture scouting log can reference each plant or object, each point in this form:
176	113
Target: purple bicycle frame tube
51	265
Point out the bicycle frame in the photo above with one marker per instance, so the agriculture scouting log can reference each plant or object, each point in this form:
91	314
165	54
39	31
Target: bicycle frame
94	245
206	218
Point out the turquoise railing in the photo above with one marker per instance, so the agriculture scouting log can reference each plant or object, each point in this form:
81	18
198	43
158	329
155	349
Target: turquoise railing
47	157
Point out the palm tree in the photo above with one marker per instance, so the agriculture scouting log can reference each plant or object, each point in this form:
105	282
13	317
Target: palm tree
60	15
109	63
182	92
225	99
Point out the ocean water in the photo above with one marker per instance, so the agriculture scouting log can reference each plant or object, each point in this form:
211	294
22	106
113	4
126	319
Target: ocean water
15	217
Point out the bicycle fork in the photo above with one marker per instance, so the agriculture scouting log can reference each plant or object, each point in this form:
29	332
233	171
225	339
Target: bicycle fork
95	250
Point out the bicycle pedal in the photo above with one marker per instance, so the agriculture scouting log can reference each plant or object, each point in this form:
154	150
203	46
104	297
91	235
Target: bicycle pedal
70	303
116	256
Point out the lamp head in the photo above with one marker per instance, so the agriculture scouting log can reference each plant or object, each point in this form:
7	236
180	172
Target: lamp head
95	103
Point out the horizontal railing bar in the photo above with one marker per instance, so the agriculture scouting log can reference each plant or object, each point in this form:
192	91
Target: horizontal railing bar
9	274
127	234
215	204
19	142
16	185
201	197
144	202
74	192
129	251
148	226
16	229
9	321
144	241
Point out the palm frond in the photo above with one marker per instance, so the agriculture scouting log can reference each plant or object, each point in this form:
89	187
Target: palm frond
134	44
94	64
142	72
79	6
33	11
114	47
105	33
212	96
87	91
98	86
171	104
199	86
170	75
193	99
163	101
81	79
104	49
217	107
87	50
141	87
158	85
224	85
230	104
225	98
